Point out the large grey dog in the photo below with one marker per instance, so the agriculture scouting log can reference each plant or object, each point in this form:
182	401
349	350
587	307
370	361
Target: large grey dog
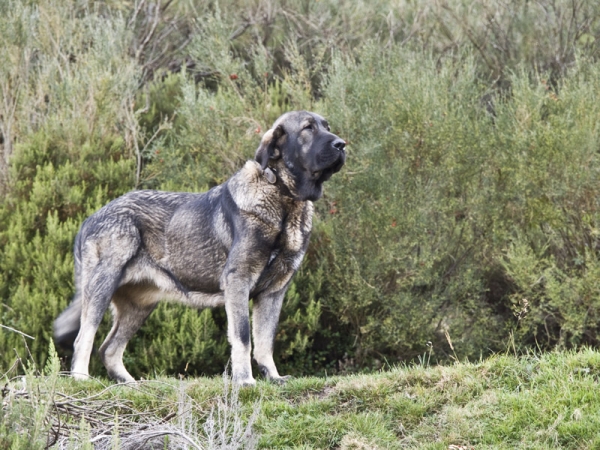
240	240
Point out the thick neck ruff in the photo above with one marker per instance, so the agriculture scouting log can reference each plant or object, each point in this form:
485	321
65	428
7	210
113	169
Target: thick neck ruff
271	175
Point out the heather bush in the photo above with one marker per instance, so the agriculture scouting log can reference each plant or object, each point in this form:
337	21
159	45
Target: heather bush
464	221
71	102
461	227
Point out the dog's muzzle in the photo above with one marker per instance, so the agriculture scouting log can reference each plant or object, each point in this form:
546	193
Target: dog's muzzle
336	157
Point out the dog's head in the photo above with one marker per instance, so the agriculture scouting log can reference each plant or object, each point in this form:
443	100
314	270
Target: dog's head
302	150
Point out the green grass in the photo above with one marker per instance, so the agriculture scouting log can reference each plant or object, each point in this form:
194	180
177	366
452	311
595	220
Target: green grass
528	402
536	401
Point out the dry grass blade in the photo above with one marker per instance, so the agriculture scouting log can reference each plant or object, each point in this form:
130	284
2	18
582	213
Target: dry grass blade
106	418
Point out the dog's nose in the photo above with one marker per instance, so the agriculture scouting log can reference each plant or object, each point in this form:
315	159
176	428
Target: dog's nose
340	144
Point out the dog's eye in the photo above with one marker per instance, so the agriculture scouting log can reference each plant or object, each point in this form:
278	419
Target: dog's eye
308	127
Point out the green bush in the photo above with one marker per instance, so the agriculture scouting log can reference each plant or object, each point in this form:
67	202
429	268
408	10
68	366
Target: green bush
70	156
465	219
453	218
411	245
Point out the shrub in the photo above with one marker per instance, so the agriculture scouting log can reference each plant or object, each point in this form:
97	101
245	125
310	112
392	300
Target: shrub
466	215
70	155
453	218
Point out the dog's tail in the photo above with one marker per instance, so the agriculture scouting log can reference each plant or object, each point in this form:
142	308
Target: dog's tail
67	324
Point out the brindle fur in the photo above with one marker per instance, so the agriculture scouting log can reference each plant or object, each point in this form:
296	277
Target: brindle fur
242	239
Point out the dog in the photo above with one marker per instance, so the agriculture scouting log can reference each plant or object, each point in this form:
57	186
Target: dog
241	240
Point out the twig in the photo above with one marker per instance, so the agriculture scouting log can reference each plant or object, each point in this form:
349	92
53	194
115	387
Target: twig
241	30
17	331
15	364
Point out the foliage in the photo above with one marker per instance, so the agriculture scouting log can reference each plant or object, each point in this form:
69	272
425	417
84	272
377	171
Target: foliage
465	220
440	211
70	156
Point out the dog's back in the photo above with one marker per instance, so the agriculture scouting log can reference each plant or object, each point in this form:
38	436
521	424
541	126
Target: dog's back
143	215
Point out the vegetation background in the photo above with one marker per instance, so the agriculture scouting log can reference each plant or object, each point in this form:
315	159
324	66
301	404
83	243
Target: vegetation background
465	222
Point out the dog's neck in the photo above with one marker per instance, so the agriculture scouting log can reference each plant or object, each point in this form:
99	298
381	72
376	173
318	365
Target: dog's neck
274	176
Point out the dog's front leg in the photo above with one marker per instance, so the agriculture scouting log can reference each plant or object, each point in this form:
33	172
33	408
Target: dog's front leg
265	317
238	332
246	261
241	272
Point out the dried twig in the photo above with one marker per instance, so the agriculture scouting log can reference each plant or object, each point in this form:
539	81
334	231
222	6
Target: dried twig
17	331
106	411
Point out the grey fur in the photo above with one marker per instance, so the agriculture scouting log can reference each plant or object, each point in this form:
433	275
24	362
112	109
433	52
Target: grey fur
242	239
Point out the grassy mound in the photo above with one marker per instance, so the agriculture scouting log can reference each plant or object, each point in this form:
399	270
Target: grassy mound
535	401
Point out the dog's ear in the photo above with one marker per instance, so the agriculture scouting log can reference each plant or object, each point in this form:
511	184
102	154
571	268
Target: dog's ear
268	146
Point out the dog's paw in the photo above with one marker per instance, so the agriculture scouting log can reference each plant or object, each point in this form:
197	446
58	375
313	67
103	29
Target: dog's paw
245	382
80	376
280	380
272	375
120	375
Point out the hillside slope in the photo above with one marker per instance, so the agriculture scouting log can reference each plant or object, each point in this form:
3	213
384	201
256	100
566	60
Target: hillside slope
547	401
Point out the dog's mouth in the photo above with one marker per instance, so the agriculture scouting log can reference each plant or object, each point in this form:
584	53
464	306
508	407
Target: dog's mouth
325	174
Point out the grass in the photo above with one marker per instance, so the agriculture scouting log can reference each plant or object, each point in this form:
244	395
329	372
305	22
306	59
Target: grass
536	401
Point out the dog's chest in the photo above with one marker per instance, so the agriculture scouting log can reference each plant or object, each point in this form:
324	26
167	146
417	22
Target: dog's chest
289	246
289	243
296	230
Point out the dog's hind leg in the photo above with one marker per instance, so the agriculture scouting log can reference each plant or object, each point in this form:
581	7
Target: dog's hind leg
104	256
97	292
128	316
